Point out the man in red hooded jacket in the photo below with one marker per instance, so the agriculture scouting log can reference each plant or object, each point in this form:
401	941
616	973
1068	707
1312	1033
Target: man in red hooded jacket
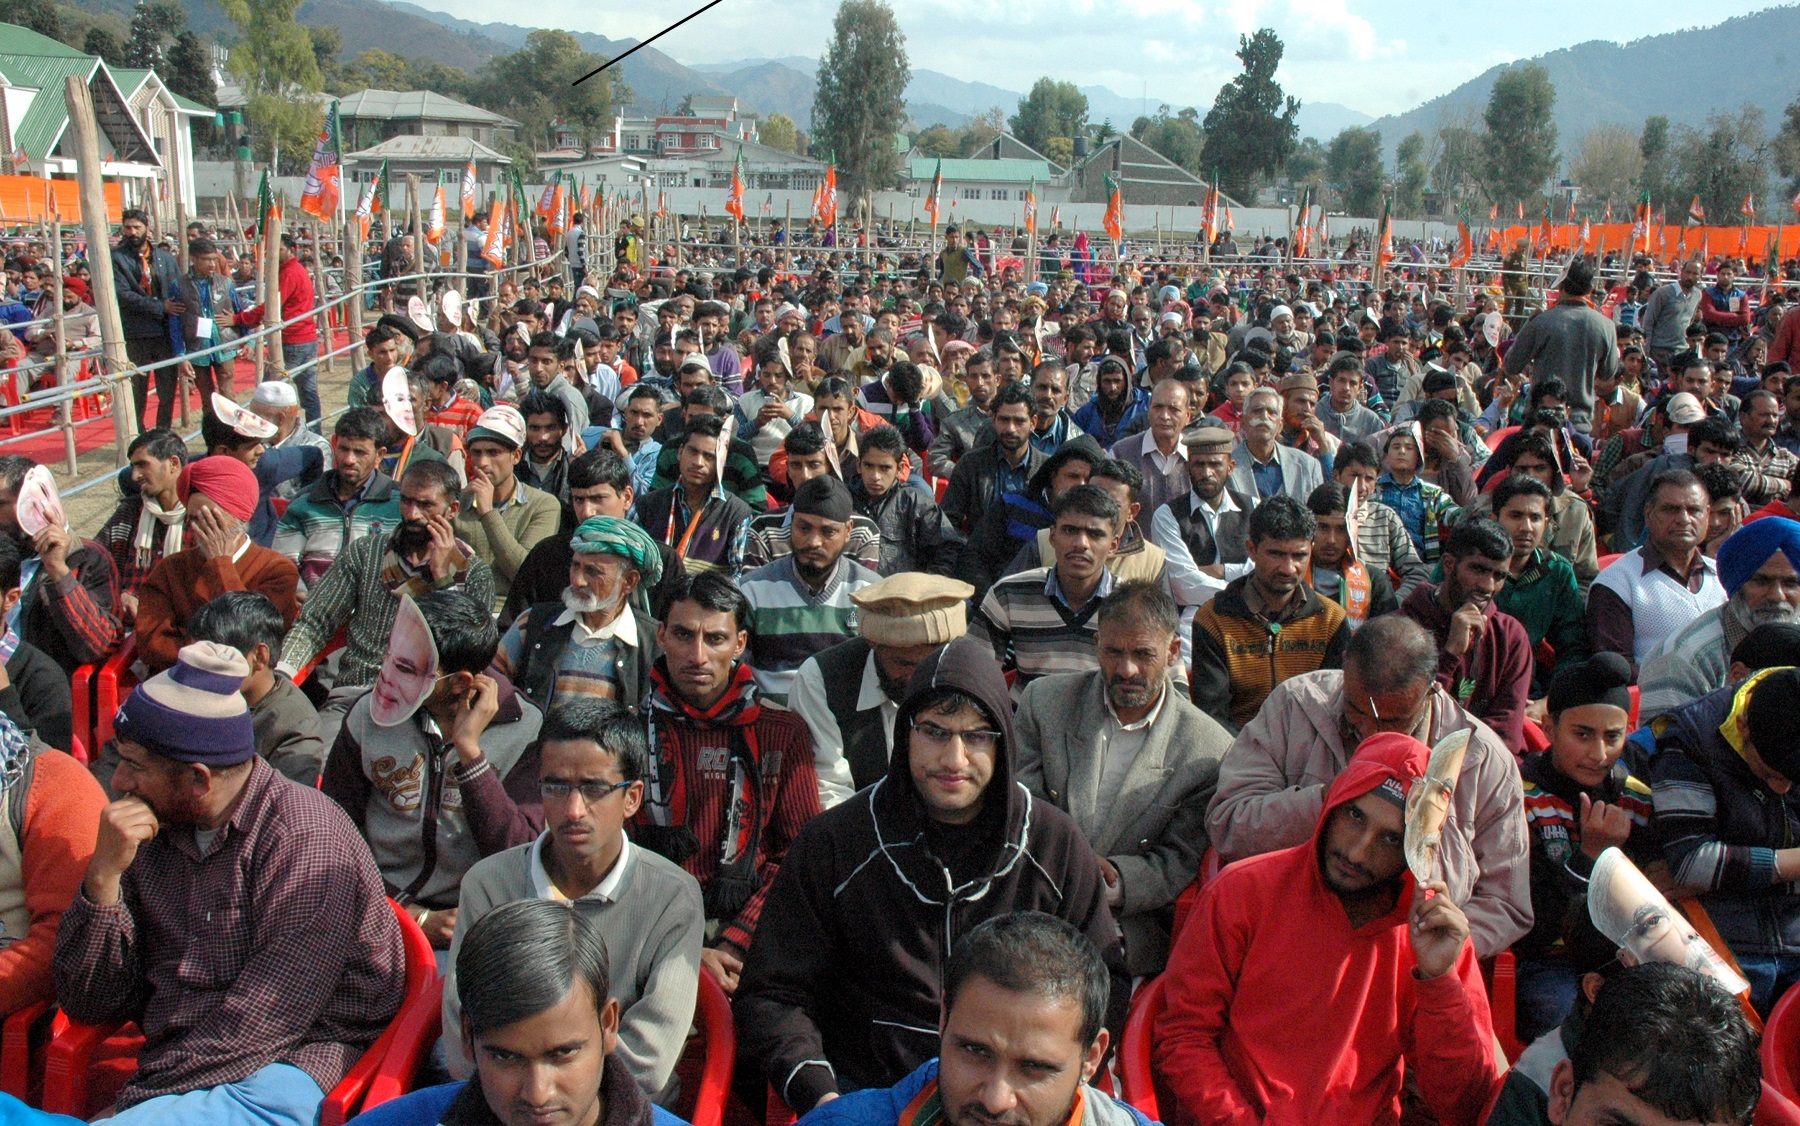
1310	979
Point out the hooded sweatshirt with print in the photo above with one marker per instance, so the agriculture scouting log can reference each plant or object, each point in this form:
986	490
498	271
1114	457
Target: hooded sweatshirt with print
841	989
1280	1012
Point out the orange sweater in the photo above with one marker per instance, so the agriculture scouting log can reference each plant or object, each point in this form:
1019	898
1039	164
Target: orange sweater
62	819
184	582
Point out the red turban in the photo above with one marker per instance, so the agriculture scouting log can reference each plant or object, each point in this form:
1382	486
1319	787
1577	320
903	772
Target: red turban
78	288
226	481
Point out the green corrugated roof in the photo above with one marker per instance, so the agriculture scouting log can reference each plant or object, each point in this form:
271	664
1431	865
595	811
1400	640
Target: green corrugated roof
43	123
1009	171
191	104
16	40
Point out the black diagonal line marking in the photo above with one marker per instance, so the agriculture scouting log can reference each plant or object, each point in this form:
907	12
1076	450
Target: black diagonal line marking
645	43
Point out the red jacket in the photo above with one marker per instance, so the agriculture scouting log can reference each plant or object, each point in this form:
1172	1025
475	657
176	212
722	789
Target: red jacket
296	298
1280	1013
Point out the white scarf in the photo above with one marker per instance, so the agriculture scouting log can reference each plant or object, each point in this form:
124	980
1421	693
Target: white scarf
142	542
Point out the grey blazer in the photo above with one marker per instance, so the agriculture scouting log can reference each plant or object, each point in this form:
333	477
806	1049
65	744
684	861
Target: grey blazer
1301	472
1155	833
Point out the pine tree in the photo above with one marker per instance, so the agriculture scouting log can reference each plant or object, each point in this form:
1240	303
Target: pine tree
1250	130
860	105
1519	147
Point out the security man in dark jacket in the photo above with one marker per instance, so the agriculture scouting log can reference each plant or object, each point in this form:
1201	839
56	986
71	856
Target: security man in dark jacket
148	282
842	988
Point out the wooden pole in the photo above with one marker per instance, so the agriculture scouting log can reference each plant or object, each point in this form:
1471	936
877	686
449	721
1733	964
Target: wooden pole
416	225
320	301
85	131
60	333
277	367
353	252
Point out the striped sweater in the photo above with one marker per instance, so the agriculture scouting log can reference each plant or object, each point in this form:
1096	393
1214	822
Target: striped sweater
1559	869
789	622
1240	656
359	594
315	527
1033	630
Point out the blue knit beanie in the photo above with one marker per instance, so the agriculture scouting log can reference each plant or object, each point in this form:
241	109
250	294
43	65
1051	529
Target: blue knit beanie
193	711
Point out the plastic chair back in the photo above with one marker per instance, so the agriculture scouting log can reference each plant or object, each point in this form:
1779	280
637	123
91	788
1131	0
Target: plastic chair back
1780	1045
1606	561
19	1072
421	975
1135	1072
112	684
1493	440
712	1015
1503	1004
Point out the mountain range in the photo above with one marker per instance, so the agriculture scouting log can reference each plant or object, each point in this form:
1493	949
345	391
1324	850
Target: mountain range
1685	75
1744	60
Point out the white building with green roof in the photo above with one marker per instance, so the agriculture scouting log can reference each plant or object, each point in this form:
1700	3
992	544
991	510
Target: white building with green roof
146	140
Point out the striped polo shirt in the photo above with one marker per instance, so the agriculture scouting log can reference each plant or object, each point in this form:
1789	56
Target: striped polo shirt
790	622
1033	629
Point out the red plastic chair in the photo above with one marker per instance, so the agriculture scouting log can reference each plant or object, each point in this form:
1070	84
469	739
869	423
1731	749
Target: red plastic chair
1184	902
941	486
1780	1045
1536	740
22	1041
338	641
1493	440
112	684
1503	1004
81	702
1606	561
718	1044
777	1112
73	1063
1775	1108
1634	707
78	750
279	505
1135	1074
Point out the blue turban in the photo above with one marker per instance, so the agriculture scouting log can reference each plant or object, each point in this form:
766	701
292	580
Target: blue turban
1747	549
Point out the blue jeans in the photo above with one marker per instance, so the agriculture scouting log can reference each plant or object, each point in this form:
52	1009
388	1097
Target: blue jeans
277	1095
1546	990
305	382
1770	975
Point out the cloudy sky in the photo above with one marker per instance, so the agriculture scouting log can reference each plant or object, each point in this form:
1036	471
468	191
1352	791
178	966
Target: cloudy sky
1377	56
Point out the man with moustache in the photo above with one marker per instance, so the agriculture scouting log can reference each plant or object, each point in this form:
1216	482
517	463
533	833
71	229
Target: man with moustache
148	282
1261	465
360	592
592	644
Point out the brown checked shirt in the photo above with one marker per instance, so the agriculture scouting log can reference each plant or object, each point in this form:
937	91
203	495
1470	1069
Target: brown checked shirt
276	946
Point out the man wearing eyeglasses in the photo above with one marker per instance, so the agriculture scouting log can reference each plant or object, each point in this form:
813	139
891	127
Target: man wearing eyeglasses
590	776
842	988
1273	780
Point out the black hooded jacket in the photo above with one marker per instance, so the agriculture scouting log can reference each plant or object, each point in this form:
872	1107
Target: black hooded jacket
841	989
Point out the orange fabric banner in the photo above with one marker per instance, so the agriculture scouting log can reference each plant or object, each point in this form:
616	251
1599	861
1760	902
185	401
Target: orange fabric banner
1618	237
22	199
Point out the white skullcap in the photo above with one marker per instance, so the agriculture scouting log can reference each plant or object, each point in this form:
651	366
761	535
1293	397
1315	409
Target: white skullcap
1280	311
276	393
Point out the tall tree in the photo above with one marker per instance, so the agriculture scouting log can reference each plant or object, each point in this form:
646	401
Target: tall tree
38	15
1608	166
1454	156
778	132
103	43
1519	147
536	84
1174	135
1250	129
154	24
860	102
1653	146
1722	162
274	60
1353	167
1306	165
1053	109
1785	148
1410	174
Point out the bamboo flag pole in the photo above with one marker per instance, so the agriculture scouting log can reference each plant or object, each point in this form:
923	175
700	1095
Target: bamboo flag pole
60	334
272	296
353	252
85	132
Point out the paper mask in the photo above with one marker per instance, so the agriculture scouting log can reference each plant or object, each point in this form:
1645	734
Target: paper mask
408	672
39	506
1627	908
1353	517
1428	805
452	306
242	421
396	399
419	314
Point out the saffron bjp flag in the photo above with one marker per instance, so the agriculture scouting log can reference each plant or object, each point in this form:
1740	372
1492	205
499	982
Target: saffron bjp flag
1696	213
1114	219
829	200
370	203
1031	208
434	226
558	220
734	203
1465	246
1748	208
1493	212
470	190
494	249
545	199
1384	248
934	199
324	180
